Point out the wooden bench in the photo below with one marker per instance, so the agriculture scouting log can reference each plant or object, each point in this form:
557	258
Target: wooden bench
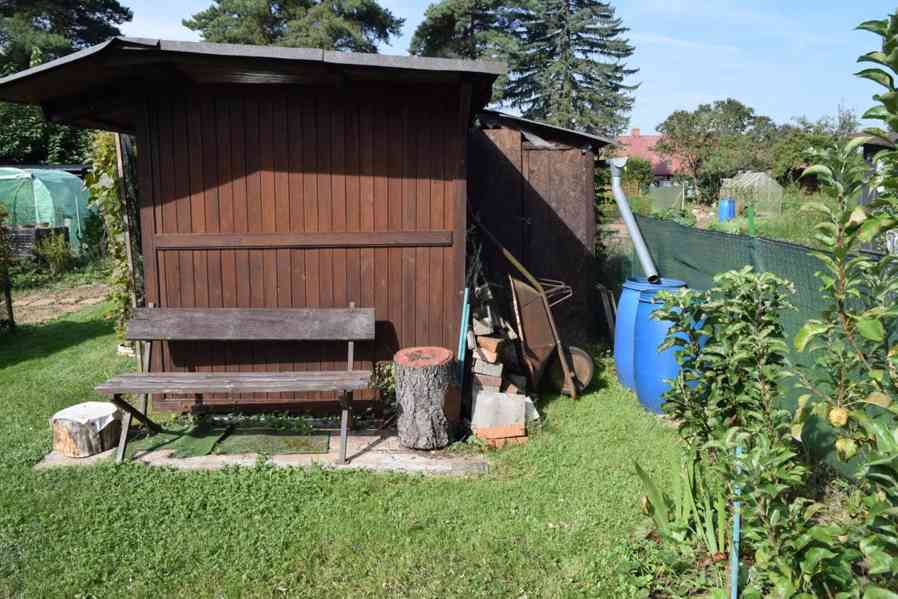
228	324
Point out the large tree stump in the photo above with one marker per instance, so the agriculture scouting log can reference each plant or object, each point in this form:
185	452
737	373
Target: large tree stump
423	378
86	429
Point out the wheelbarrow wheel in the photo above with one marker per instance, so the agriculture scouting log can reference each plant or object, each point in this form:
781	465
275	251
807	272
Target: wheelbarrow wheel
581	363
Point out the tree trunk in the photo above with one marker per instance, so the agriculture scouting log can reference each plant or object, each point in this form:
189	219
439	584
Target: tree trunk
86	429
423	377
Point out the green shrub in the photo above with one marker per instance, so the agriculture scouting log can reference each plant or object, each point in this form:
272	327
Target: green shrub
93	237
28	273
54	251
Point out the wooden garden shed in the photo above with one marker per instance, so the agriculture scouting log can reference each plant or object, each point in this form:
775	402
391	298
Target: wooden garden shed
533	186
285	177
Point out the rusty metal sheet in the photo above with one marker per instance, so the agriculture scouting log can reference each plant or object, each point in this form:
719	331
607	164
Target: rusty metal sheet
538	341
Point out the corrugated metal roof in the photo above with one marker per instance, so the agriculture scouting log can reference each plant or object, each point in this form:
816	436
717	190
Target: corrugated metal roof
548	130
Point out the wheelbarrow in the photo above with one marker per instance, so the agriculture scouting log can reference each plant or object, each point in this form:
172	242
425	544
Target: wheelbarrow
533	300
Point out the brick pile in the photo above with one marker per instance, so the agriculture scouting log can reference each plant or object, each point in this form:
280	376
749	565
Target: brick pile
501	405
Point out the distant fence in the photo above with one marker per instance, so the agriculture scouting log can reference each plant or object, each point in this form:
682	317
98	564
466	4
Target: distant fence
696	255
23	239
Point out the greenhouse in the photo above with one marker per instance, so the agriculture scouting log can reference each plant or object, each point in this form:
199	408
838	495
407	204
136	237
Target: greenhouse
759	190
43	197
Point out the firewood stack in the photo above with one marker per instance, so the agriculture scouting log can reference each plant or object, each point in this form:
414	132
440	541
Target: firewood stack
501	406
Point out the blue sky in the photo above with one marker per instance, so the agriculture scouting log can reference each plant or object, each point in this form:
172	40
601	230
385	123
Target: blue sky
784	58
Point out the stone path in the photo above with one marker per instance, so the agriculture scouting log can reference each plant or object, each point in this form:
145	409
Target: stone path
373	452
41	306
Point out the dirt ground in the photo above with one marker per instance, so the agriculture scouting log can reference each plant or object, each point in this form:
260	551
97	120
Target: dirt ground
41	306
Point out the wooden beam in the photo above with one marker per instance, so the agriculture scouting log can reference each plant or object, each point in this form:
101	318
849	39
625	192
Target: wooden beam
135	413
378	239
257	324
192	383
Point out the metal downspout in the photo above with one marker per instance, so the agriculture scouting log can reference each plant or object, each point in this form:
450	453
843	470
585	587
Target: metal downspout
642	252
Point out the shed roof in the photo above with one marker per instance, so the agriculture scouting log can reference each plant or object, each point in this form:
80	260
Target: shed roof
545	131
82	88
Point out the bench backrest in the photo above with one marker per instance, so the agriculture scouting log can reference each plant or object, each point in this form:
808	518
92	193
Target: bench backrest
256	324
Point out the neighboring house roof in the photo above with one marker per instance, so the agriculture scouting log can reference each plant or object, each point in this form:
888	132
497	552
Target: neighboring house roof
96	87
636	145
540	133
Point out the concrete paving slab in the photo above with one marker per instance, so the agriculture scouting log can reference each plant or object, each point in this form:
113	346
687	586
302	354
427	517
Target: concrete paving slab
497	409
367	451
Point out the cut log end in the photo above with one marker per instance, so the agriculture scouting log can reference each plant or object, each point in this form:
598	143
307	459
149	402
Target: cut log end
85	429
422	357
423	384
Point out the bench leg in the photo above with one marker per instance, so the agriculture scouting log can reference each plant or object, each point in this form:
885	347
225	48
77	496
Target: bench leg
123	438
130	410
346	403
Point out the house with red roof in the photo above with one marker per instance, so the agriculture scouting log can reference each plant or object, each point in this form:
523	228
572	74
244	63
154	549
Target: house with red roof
643	146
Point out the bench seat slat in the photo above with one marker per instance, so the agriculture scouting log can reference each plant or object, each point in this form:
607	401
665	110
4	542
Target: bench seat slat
232	382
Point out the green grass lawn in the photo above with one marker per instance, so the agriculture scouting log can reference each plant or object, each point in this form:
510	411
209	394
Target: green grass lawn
550	520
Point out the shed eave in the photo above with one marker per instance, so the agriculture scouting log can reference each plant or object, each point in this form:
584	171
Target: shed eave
595	142
36	85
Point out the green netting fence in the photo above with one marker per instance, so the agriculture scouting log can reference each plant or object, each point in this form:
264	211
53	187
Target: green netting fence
696	255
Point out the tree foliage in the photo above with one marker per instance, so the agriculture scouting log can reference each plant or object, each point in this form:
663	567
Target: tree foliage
568	66
32	32
638	173
789	151
56	27
353	25
473	29
105	191
716	141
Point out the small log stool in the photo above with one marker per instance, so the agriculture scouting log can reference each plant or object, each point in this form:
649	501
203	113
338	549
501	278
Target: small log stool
86	429
423	380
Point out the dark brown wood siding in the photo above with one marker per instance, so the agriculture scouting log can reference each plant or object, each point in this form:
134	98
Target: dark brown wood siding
540	203
287	196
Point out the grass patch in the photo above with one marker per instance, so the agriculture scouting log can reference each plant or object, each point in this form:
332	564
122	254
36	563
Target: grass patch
228	437
28	276
550	520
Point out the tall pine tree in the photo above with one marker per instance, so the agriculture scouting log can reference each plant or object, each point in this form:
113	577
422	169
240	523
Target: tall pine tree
472	29
356	25
569	67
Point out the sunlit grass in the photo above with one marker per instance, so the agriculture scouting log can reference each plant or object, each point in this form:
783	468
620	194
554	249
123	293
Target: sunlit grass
551	519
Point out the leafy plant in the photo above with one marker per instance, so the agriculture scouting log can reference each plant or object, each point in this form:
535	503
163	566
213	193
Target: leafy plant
5	245
728	406
383	378
696	508
731	351
852	384
55	252
638	173
105	190
93	237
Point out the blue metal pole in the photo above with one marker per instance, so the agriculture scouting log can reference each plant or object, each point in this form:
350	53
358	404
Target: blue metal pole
462	333
737	531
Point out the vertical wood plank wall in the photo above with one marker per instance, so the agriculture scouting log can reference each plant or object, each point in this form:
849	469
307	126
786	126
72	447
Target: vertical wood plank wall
293	160
540	204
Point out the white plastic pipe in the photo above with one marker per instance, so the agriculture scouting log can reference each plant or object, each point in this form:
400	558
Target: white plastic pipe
642	252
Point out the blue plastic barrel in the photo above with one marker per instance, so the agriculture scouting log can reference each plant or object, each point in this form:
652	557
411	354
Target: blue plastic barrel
625	327
653	368
726	210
